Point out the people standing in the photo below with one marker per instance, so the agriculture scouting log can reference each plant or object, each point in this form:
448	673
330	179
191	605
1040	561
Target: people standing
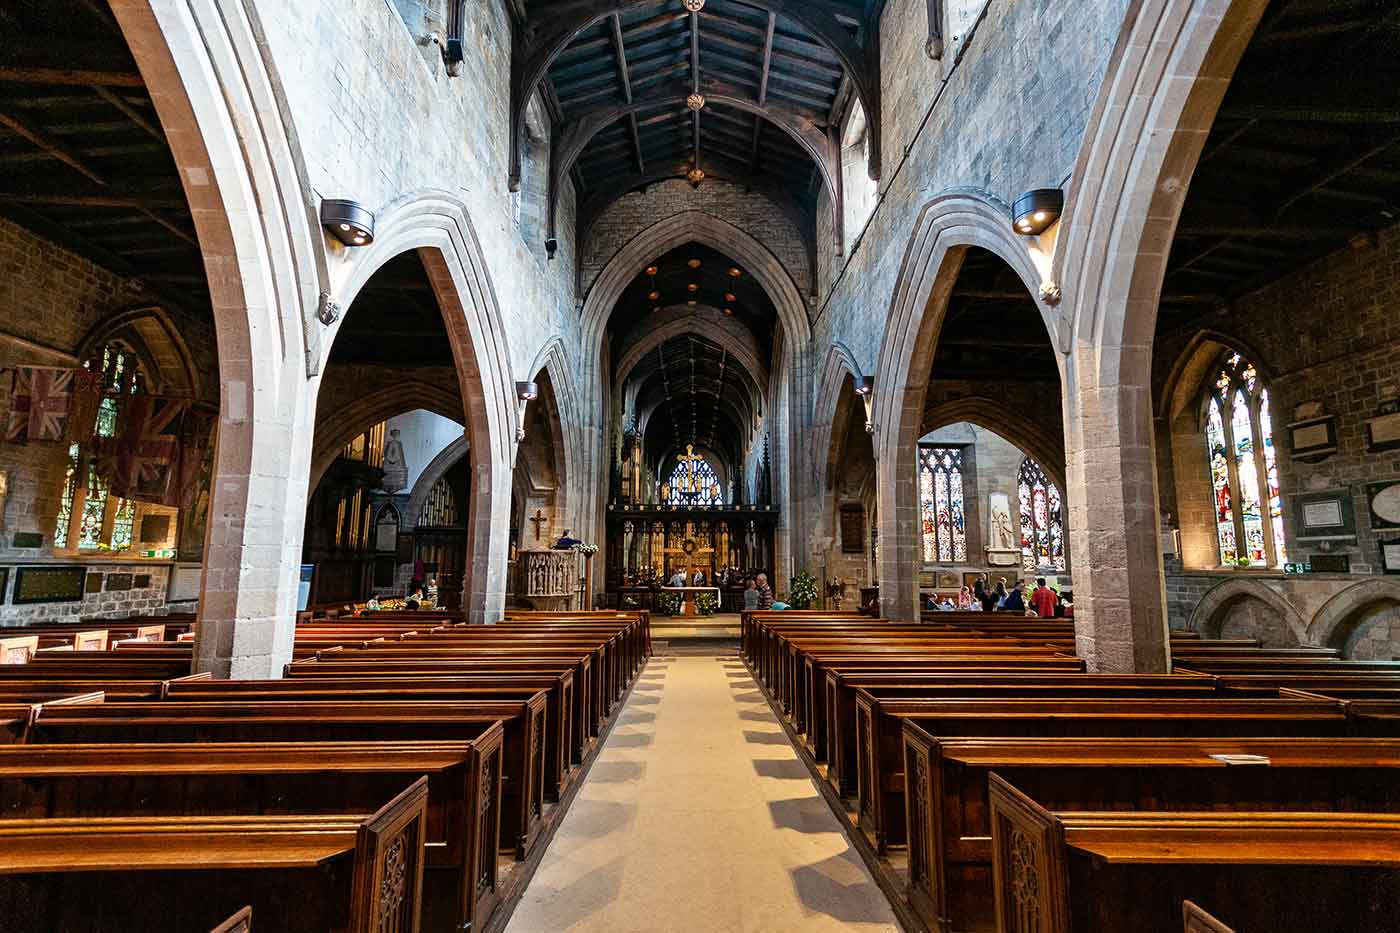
679	580
1015	600
751	596
1044	599
999	594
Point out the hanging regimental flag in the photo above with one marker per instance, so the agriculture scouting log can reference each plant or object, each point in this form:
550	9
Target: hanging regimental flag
82	409
137	463
39	402
190	472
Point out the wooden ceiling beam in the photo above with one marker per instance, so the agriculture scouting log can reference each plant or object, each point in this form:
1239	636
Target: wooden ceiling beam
620	51
130	112
70	77
540	42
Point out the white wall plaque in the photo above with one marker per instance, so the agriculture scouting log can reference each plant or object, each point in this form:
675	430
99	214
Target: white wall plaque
1324	514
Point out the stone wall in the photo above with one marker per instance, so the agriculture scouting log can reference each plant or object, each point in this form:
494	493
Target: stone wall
58	300
1009	117
1327	335
149	600
747	210
379	121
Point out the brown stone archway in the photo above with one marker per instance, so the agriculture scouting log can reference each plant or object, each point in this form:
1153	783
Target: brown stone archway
218	102
948	226
1168	74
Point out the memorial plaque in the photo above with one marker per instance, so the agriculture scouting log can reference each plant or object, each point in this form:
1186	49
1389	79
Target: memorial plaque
119	581
1330	563
1390	556
1385	504
4	582
94	583
27	539
852	529
142	582
49	585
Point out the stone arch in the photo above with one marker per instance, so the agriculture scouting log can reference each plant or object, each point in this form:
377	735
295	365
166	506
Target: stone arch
1167	76
342	426
562	416
788	408
1210	613
219	102
1033	440
948	225
1181	389
436	469
159	344
438	226
1342	617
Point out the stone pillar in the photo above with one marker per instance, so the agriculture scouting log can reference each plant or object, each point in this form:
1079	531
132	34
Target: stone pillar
1111	477
488	538
252	551
897	498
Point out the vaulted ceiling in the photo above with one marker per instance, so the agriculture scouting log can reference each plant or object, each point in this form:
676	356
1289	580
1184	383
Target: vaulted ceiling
83	159
743	90
1303	157
394	320
993	329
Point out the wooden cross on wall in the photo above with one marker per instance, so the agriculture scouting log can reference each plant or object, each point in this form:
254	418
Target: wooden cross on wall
538	520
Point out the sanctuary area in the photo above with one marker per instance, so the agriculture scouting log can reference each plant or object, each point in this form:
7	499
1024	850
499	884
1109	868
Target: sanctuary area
734	465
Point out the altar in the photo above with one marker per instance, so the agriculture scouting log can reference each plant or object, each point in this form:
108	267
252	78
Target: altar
688	595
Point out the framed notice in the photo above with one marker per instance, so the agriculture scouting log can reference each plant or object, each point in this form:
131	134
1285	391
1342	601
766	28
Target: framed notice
1314	438
1324	516
1383	431
852	529
1384	499
1390	556
49	585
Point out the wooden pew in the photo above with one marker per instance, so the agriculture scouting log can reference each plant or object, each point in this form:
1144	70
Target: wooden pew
1121	871
462	813
947	819
337	873
310	721
880	758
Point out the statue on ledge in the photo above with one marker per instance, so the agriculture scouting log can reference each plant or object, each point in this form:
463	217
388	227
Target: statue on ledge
395	466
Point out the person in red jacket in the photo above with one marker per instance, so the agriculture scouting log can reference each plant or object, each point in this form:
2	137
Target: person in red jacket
1044	599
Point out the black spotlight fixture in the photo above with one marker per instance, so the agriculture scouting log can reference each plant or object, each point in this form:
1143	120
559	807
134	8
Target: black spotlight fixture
527	391
1035	211
551	246
348	222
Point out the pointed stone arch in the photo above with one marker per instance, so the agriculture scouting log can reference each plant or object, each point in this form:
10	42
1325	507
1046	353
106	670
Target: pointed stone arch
334	432
436	469
437	225
1209	615
947	227
157	341
218	99
1341	617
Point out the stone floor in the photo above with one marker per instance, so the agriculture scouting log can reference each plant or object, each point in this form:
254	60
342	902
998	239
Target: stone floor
721	626
698	815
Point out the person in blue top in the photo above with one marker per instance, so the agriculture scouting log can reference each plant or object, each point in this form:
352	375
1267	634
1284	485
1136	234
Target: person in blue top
565	542
1015	601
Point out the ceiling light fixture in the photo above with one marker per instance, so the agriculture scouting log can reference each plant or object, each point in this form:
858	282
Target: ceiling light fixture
653	295
694	6
1037	211
347	221
693	263
728	312
735	272
695	176
729	296
651	270
692	287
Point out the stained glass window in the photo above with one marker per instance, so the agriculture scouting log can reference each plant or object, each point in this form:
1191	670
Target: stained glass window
123	523
1243	464
121	375
65	503
692	482
941	509
1042	519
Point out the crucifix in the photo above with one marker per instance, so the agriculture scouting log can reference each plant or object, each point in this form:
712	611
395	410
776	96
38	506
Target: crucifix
690	458
538	520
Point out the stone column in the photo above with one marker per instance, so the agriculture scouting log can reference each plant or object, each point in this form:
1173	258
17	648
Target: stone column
488	539
252	551
897	497
1111	477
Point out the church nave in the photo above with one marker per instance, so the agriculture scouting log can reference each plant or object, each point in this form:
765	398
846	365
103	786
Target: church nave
698	815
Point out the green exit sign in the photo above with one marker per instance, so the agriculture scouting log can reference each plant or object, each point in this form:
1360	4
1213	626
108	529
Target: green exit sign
1297	568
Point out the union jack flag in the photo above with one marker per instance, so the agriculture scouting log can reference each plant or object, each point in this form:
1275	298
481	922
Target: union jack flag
137	462
39	404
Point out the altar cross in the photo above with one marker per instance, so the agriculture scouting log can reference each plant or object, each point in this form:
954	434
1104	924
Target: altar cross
538	520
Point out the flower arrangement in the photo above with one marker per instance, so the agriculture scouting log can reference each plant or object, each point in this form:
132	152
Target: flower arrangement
668	604
706	604
804	591
587	550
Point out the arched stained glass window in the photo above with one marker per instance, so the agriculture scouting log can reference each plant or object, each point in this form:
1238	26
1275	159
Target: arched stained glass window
100	523
1042	519
941	505
692	482
1243	466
